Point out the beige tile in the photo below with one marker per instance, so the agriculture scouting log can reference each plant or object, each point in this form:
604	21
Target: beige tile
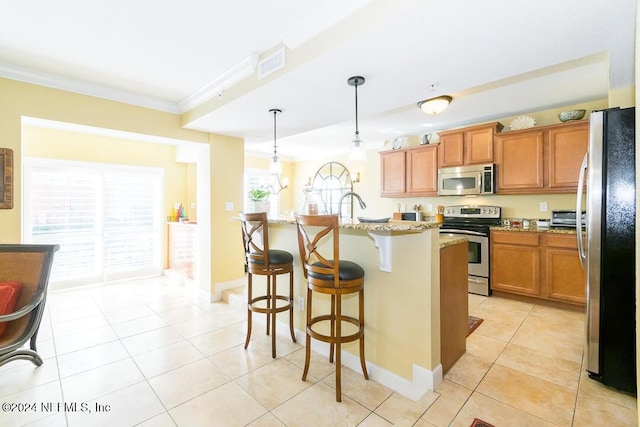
498	324
218	340
129	313
197	326
571	315
273	384
184	383
182	313
450	400
17	377
374	420
73	327
139	325
496	413
162	420
86	339
156	362
468	371
237	361
57	420
600	391
475	301
368	393
125	407
267	420
90	358
99	381
484	347
560	371
541	398
319	365
317	406
591	411
553	337
151	340
228	405
49	392
401	410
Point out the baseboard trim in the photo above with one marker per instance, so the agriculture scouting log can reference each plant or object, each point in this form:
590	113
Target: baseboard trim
423	379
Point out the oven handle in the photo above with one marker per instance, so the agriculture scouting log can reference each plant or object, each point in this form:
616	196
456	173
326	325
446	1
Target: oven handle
469	232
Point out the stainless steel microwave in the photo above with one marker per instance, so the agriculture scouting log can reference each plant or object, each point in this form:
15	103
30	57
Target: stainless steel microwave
466	180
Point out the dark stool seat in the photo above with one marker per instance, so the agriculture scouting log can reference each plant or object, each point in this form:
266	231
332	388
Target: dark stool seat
262	260
335	277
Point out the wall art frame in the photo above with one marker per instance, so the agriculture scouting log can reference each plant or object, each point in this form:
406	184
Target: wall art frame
6	178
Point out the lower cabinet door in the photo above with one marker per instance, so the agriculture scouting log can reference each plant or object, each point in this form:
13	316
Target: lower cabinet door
515	268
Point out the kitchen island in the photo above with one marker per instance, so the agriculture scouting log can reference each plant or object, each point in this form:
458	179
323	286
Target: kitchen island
402	299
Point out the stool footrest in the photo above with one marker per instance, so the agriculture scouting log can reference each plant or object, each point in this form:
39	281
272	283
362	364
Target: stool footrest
330	338
251	305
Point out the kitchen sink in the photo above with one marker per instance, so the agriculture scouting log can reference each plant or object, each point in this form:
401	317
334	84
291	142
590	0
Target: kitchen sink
373	220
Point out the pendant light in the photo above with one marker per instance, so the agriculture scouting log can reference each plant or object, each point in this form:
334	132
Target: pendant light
356	154
275	167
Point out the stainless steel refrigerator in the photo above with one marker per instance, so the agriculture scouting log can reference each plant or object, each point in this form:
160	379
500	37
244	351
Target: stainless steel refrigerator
609	253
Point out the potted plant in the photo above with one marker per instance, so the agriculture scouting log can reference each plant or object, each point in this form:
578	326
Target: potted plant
259	198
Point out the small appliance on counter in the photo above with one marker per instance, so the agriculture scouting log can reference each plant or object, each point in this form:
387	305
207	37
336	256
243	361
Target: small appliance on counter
566	218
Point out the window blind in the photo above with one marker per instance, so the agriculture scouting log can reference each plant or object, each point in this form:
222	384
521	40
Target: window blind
107	219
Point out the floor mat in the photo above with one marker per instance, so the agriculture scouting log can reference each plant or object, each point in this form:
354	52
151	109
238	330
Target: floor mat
472	324
479	423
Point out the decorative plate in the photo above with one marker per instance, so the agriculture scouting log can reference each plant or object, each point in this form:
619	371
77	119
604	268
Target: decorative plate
398	142
522	122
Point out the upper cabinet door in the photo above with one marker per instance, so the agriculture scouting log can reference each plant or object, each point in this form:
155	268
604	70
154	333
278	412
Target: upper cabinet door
392	173
451	150
520	162
567	147
479	146
422	171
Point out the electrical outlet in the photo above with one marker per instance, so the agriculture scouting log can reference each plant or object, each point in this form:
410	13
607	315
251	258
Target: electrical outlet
299	303
429	207
228	206
544	207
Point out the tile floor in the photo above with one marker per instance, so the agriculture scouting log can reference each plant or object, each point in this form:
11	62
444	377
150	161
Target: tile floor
148	353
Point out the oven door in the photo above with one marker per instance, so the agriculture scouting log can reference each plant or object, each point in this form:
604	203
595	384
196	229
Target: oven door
478	259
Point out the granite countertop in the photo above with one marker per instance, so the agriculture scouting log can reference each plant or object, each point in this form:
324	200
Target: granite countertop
412	226
535	230
446	241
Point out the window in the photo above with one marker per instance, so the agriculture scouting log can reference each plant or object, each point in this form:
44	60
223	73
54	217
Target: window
260	178
107	219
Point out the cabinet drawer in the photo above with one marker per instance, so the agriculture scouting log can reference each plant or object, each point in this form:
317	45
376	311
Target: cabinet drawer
516	238
565	241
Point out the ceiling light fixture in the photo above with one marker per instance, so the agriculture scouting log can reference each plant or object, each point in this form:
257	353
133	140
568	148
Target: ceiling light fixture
356	153
435	105
275	167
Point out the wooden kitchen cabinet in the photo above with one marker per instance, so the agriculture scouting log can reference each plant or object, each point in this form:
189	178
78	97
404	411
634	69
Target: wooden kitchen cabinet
567	147
468	146
540	265
541	160
515	262
564	275
454	303
409	172
520	161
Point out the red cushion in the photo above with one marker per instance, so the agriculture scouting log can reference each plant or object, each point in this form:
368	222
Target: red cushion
9	292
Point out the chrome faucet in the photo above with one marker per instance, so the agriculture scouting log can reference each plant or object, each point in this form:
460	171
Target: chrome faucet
363	205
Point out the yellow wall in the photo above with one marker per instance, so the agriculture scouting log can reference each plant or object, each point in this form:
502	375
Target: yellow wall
67	145
20	99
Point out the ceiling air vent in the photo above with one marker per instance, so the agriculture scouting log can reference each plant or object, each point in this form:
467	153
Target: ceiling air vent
271	64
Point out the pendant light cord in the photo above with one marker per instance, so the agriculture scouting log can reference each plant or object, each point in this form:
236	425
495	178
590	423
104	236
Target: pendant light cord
356	86
275	153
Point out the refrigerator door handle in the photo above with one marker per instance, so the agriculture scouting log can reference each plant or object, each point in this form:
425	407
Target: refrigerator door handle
581	250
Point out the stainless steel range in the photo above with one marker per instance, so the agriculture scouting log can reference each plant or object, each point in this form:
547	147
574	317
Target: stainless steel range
473	222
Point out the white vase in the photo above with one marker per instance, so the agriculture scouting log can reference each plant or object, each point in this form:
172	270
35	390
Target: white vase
256	207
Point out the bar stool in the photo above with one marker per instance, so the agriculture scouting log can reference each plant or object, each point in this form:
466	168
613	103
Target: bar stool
270	263
332	276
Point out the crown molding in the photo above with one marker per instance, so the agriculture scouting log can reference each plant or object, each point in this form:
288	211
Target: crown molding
13	72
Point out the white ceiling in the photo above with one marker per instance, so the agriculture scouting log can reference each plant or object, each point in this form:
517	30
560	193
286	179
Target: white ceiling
497	58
